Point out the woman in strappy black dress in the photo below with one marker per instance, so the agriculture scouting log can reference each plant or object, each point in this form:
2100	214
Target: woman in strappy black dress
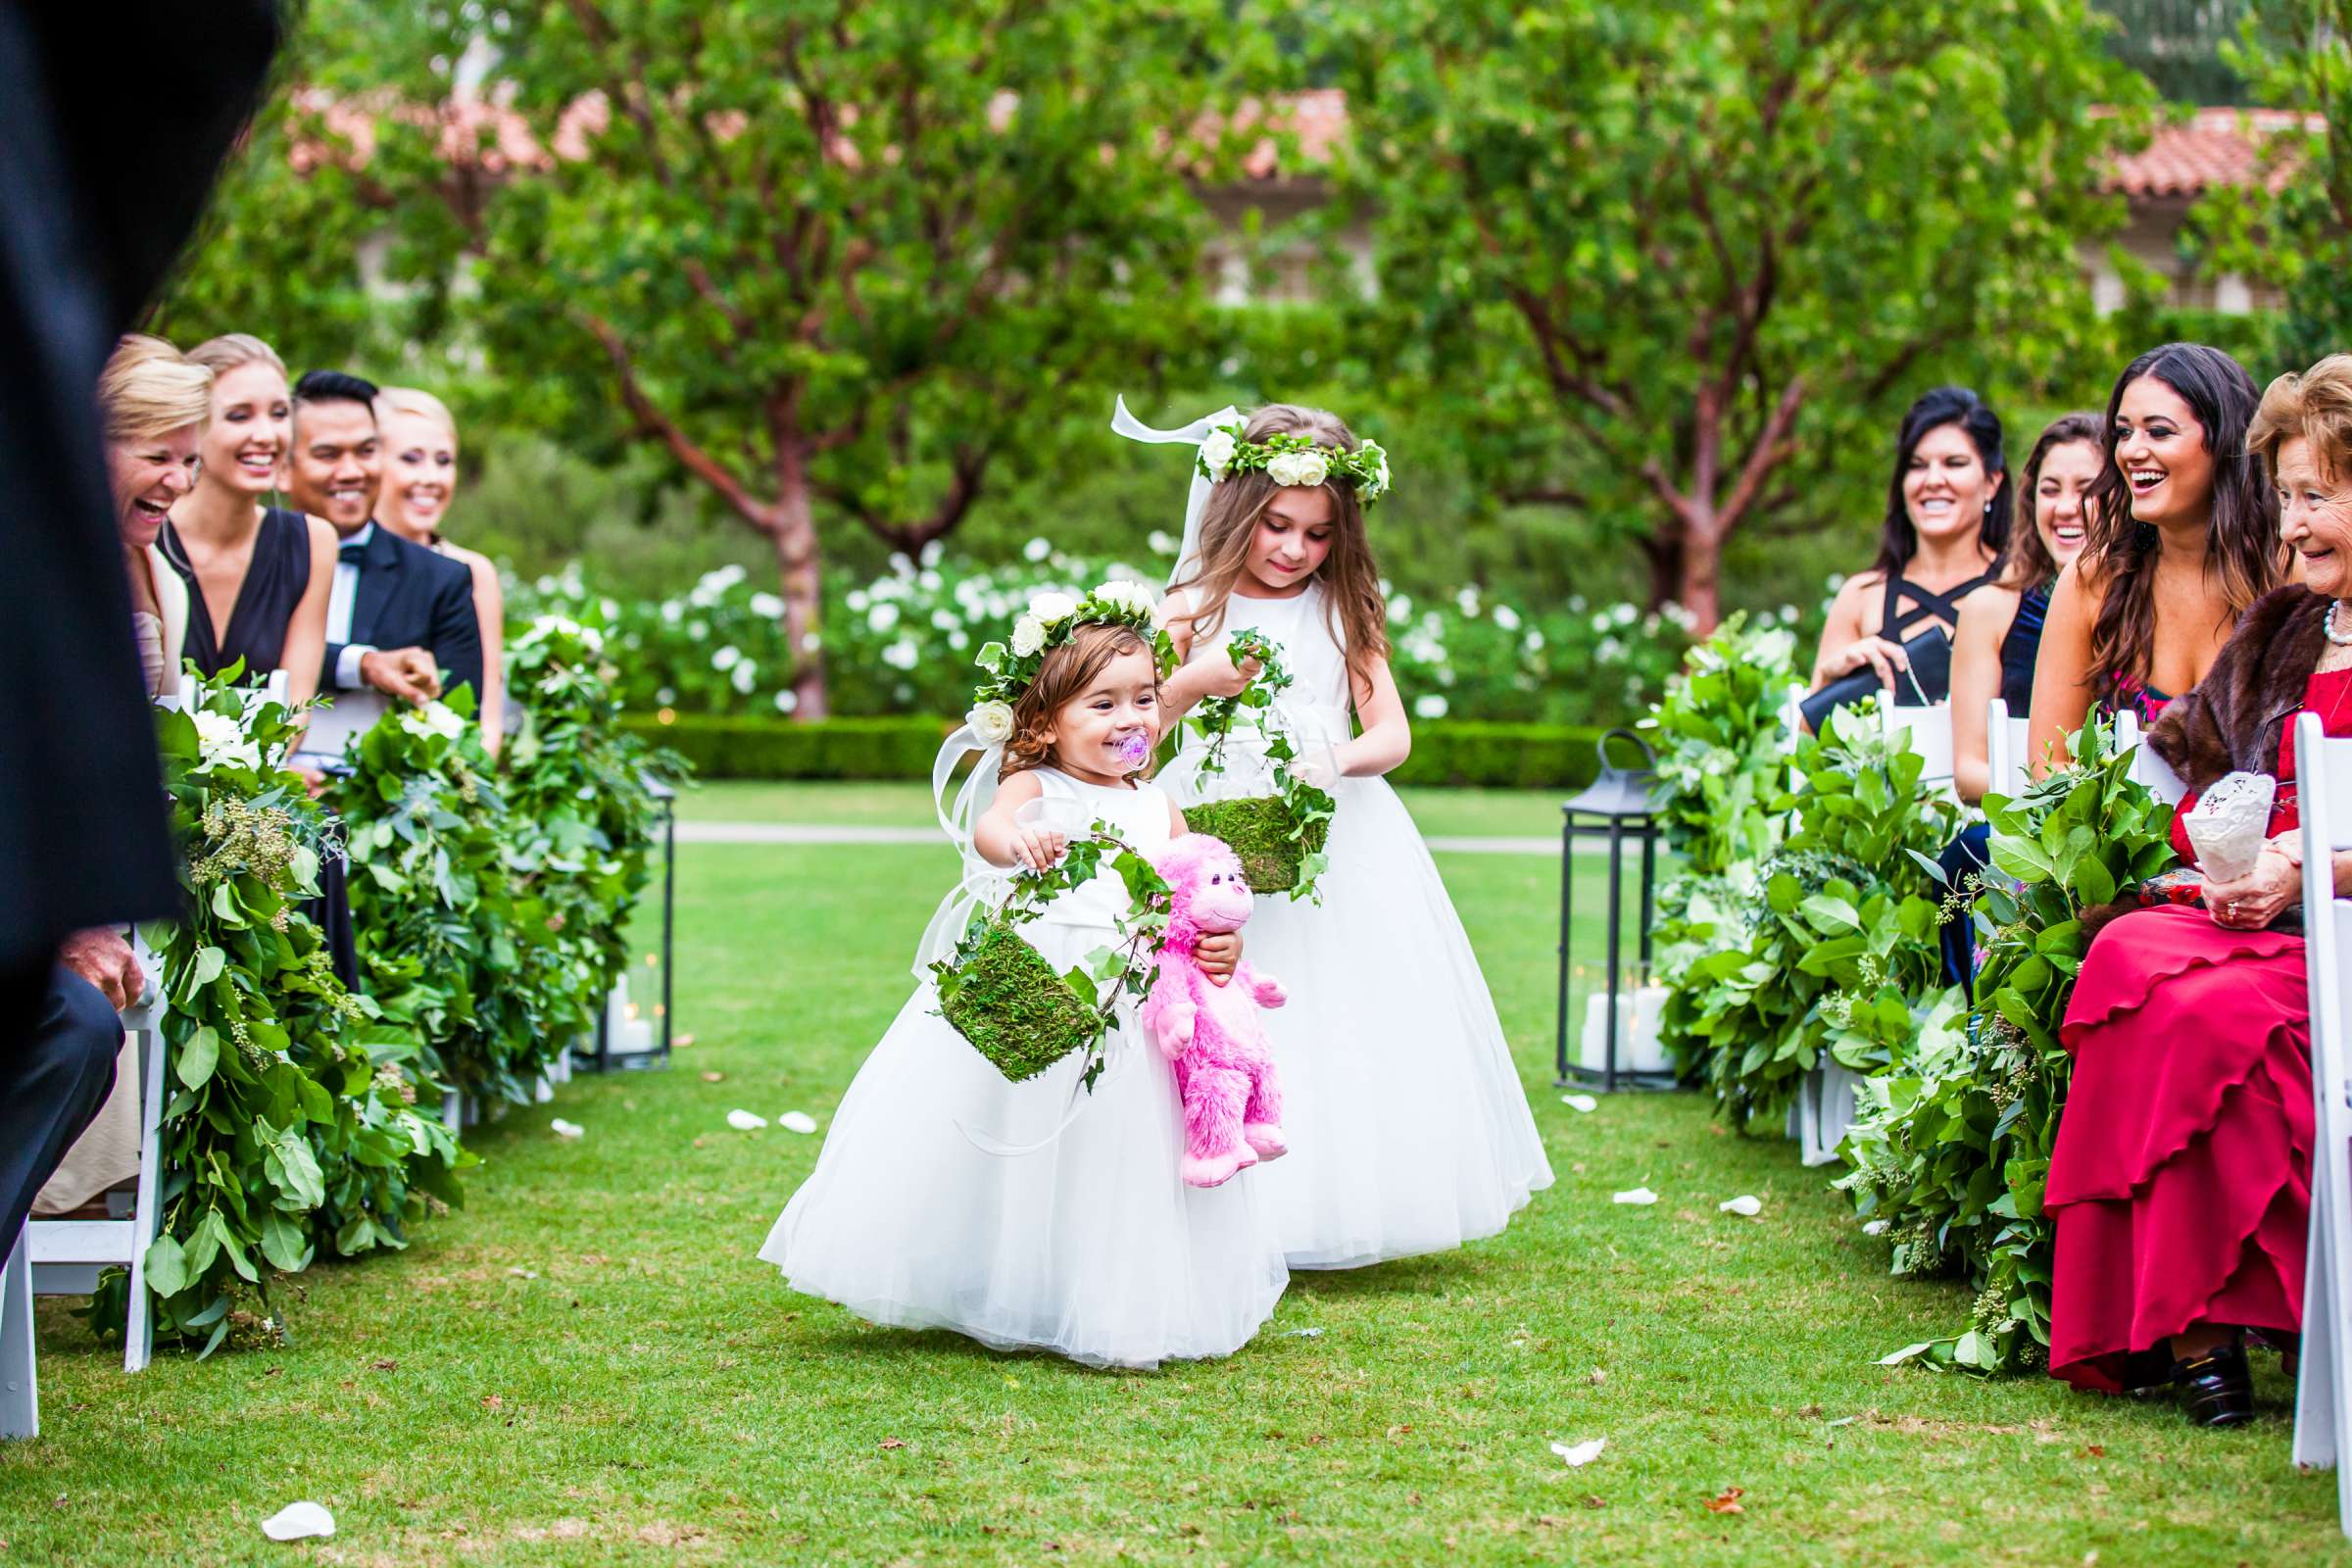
1947	518
257	575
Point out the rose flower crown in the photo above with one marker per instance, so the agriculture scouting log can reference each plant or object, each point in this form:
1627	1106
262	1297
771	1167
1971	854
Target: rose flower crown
1051	621
1290	458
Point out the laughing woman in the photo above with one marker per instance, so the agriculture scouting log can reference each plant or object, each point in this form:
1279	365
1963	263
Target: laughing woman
2181	1184
2184	536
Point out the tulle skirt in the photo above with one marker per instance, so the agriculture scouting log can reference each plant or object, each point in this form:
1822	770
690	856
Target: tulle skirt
1091	1245
1409	1131
2180	1183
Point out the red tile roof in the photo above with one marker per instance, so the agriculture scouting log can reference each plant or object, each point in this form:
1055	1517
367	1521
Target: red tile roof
2214	148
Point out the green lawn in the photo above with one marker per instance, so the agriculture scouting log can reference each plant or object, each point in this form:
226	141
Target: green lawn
587	1364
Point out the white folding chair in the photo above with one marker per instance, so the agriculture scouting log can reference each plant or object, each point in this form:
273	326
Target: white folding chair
2005	747
19	1382
67	1256
2146	766
2324	1381
1931	731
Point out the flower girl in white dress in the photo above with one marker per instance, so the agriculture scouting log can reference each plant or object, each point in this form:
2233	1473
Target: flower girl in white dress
1409	1130
1035	1214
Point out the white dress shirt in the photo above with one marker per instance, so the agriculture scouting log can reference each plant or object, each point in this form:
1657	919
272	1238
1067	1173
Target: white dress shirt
339	602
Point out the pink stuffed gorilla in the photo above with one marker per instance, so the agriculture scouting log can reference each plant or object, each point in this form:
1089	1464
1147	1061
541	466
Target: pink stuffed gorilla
1224	1067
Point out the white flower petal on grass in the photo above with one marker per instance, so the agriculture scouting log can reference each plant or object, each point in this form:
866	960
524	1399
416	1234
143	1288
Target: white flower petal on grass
797	1121
1303	1334
566	1129
1745	1204
1876	1227
1637	1196
299	1521
1580	1454
1584	1103
742	1122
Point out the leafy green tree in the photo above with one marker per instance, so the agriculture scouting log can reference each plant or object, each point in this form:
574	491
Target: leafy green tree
1669	264
2291	227
839	261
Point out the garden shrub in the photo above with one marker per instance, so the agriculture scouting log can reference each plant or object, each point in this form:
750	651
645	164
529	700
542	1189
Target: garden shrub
1953	1148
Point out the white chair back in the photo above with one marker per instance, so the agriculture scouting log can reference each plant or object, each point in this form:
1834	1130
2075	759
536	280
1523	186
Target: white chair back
1931	731
2323	1382
2005	751
2146	766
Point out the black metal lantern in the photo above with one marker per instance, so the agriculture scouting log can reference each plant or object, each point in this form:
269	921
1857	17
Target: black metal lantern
611	1055
1616	807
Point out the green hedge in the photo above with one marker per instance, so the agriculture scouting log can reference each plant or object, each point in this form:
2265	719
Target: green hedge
1462	752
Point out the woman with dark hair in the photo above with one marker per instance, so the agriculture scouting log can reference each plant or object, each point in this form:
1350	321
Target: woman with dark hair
1947	518
2000	624
2181	1182
2184	537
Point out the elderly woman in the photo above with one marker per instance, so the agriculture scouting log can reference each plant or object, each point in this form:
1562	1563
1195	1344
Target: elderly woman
2181	1184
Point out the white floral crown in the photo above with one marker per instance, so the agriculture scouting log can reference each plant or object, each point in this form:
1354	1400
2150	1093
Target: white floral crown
1051	619
1292	459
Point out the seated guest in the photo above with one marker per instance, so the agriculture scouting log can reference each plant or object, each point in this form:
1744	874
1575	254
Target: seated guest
2180	1183
2184	535
64	1134
2000	632
1947	518
420	478
398	615
257	575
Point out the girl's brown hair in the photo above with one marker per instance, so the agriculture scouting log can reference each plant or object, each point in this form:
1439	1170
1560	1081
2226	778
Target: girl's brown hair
1351	577
1063	677
2027	562
2245	558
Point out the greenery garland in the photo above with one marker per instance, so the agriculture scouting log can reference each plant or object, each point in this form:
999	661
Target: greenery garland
290	1125
1282	839
1951	1150
1009	1004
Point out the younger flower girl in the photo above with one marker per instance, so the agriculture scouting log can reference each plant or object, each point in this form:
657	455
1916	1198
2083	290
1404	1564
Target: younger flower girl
1409	1130
1034	1213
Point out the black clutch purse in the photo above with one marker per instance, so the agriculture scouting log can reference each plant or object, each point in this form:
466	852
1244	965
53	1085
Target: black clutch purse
1926	683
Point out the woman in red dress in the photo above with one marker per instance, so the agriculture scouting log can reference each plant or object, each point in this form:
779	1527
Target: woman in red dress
2181	1184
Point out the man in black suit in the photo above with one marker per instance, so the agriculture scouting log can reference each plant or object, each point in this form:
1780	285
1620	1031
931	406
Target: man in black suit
96	198
400	614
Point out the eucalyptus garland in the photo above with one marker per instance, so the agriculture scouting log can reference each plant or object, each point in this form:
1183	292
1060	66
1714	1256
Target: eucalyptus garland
1281	838
1010	1005
289	1125
1951	1152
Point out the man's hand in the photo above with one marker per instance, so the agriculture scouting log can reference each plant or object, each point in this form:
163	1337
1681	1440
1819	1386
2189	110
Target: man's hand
407	673
1218	956
101	957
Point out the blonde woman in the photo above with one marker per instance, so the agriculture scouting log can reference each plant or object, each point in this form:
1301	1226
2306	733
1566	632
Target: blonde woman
420	480
257	574
154	404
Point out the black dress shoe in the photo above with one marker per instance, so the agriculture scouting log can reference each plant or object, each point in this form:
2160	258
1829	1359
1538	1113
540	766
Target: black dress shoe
2217	1389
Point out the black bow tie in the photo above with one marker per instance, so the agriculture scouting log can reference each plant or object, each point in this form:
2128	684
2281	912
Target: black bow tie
354	551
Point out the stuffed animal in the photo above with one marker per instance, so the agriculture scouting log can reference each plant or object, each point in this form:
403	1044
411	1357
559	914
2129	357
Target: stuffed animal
1224	1066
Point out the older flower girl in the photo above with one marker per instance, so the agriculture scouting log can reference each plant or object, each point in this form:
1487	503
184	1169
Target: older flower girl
1410	1132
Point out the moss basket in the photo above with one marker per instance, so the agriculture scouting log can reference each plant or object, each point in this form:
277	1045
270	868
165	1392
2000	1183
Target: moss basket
1008	1002
1258	830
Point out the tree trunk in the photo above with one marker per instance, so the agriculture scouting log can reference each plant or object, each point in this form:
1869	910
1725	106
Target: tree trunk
1700	590
794	534
1664	553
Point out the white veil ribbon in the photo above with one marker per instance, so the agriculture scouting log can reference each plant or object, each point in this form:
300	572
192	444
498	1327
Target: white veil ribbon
1134	429
981	884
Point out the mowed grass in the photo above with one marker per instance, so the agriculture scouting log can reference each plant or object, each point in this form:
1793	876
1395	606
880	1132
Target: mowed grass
587	1364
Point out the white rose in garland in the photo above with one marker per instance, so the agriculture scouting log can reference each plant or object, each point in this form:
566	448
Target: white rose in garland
992	723
1216	453
1053	607
221	739
1028	636
434	718
1132	596
1292	469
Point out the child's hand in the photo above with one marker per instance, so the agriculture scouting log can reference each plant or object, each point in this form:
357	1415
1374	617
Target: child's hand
1038	848
1218	956
1220	676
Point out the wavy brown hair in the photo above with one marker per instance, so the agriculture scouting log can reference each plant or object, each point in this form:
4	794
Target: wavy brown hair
1351	577
1063	677
2027	562
2243	555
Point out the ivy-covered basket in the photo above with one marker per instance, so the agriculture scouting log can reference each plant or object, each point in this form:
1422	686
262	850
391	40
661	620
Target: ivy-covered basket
1008	1001
1278	824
